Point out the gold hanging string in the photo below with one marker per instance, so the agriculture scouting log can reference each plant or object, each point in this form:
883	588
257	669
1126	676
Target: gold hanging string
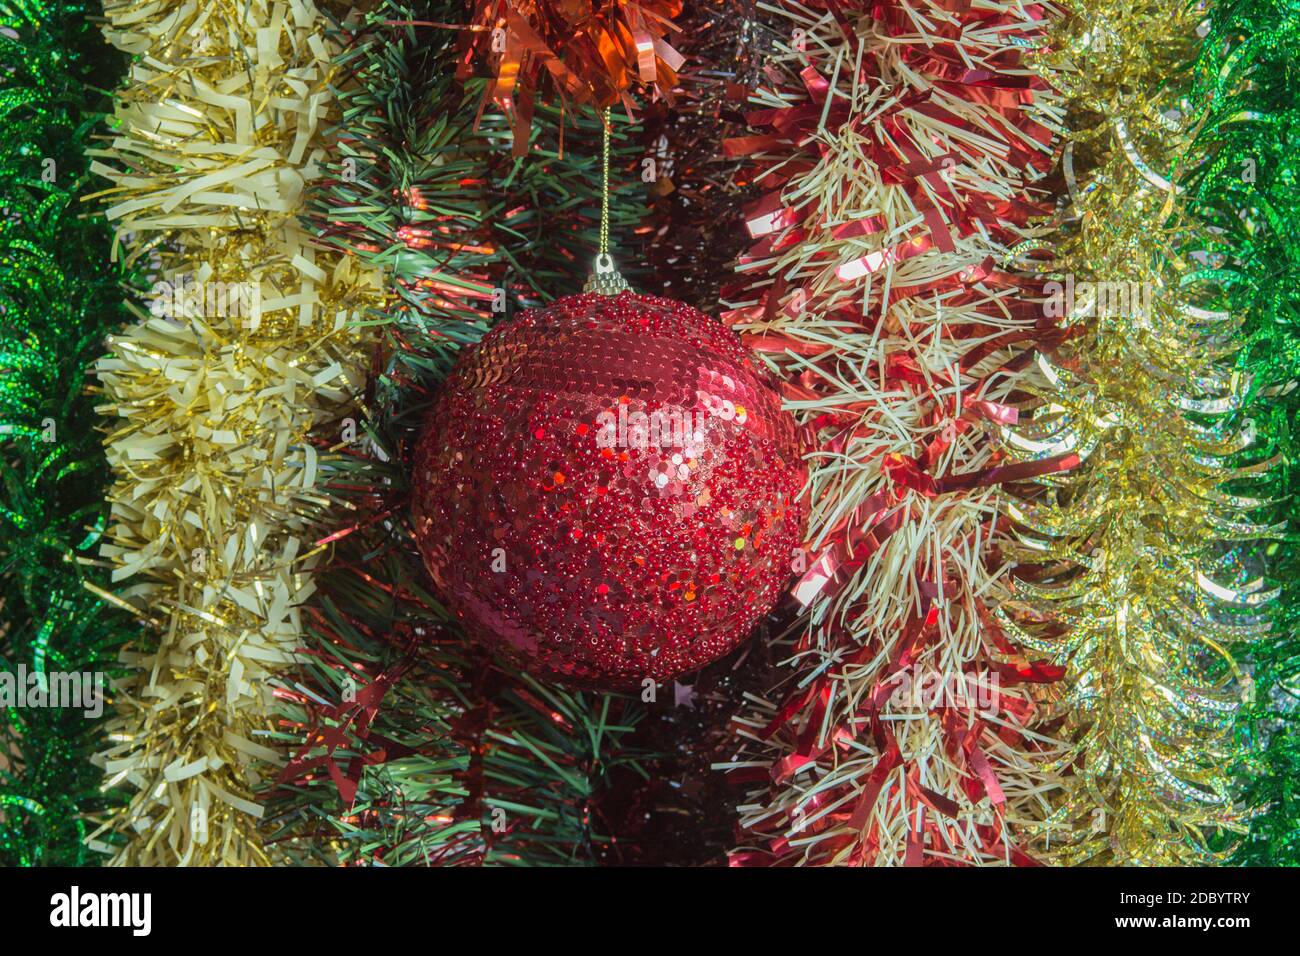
604	187
605	278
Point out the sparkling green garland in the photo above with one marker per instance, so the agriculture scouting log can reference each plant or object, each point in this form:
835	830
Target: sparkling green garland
59	296
1249	73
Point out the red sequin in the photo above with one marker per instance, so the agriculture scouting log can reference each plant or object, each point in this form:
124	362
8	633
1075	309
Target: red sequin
607	490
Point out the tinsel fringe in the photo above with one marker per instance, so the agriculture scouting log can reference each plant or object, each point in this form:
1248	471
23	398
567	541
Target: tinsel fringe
1245	190
900	148
1130	567
218	136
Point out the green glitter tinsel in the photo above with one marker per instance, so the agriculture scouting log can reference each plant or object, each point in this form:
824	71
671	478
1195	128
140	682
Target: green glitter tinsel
59	297
1249	74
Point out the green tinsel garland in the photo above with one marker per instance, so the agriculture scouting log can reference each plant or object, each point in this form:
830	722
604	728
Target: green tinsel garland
416	749
59	297
1249	190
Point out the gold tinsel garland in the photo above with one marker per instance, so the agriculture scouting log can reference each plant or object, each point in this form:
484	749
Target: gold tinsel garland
212	398
1128	575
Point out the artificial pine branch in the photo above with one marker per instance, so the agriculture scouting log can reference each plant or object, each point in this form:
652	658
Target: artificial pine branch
411	746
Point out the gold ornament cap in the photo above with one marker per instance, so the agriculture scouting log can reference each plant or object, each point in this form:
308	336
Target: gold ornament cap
605	279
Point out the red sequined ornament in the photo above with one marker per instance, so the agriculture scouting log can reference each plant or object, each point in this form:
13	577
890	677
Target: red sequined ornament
607	490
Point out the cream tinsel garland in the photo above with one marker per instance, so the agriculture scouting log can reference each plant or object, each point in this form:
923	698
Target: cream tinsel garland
211	404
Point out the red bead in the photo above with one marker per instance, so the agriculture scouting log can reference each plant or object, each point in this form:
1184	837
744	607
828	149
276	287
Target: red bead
607	490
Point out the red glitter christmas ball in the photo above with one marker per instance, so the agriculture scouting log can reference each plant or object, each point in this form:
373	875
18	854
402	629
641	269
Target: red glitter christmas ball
607	490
